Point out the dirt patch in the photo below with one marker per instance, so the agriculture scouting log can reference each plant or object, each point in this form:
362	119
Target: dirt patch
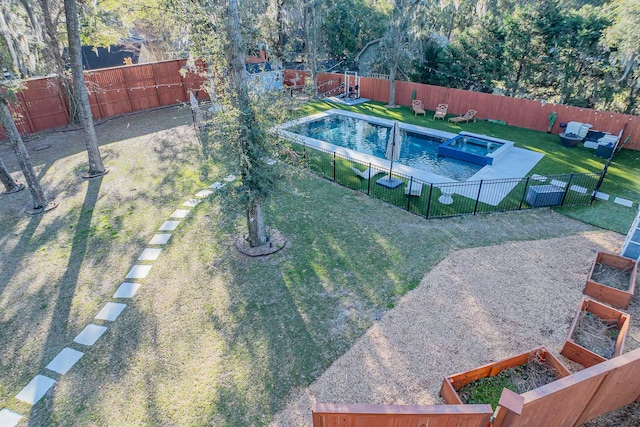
277	241
596	335
611	276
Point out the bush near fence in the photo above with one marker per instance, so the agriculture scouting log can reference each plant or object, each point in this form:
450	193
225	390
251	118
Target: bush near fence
578	189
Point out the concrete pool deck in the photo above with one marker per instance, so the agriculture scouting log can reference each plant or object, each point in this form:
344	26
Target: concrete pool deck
516	163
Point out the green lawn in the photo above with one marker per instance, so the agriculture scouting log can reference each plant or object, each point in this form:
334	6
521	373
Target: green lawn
623	177
211	337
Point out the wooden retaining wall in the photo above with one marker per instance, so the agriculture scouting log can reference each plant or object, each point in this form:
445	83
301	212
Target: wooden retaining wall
342	415
569	401
515	111
578	398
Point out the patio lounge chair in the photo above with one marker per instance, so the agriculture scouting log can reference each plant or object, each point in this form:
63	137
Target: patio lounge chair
417	107
366	174
441	111
413	189
469	115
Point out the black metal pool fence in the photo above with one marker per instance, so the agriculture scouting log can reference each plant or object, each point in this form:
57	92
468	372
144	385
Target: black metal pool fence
454	198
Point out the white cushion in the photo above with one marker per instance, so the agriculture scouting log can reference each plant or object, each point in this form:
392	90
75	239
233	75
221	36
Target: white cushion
573	127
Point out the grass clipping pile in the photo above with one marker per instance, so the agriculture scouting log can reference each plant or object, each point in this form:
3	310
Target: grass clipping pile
520	379
596	334
611	276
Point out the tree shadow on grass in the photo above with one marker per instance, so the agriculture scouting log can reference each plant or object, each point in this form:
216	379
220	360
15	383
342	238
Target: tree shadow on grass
58	335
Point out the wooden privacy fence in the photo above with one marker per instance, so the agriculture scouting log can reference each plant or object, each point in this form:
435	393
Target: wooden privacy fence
342	415
515	111
576	399
121	90
568	402
112	91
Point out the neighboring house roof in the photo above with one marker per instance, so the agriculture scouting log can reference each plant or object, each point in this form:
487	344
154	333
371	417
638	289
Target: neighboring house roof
372	42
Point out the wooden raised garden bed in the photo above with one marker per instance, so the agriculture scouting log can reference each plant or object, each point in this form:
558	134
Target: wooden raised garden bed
597	333
612	279
521	373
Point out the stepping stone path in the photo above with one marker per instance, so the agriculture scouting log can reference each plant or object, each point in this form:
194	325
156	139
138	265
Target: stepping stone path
68	357
90	334
623	202
64	360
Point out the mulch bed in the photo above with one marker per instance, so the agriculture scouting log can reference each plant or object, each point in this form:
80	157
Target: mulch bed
596	335
611	276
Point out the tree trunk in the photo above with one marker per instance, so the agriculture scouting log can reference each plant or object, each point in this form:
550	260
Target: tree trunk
10	129
5	177
631	99
279	45
255	224
13	47
235	53
309	34
392	85
53	58
82	97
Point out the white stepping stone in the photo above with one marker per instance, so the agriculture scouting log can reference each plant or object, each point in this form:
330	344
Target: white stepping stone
138	272
271	162
149	254
160	239
217	185
36	388
602	196
8	418
180	213
537	177
110	311
90	334
204	193
127	290
64	360
557	183
191	203
230	178
623	202
578	189
169	226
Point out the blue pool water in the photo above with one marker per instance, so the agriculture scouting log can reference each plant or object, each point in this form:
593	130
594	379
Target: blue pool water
418	151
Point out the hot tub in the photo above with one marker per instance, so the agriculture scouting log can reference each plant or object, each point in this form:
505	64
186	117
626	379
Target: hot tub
474	148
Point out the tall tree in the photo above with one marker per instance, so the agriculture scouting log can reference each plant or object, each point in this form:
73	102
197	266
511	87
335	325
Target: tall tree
96	167
251	142
311	41
623	38
396	41
40	202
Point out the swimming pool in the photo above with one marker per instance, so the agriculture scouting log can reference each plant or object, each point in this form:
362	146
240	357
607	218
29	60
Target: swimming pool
418	150
478	149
